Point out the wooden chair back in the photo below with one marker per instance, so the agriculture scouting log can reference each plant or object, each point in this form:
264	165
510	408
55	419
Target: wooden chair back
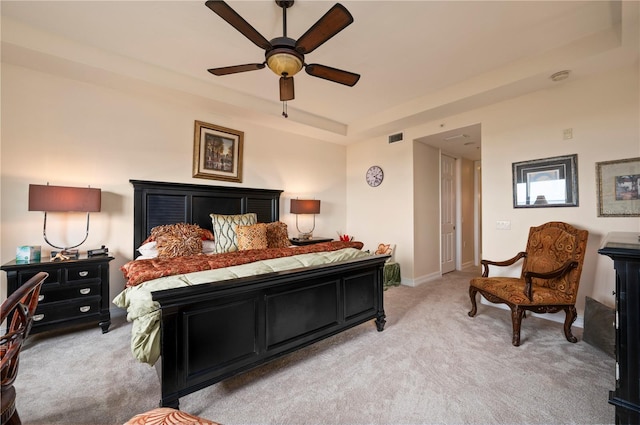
17	313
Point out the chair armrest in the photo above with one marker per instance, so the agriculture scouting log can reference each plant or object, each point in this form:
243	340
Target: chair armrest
487	263
564	269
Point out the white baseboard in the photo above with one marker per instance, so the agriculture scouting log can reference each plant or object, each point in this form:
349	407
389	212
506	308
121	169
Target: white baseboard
422	279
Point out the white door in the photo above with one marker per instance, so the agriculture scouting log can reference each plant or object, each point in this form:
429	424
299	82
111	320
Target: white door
448	213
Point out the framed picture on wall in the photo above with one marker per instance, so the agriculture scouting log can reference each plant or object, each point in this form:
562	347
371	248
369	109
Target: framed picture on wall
547	182
217	152
618	184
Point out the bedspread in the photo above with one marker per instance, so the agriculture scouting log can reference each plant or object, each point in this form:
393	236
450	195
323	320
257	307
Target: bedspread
145	313
138	271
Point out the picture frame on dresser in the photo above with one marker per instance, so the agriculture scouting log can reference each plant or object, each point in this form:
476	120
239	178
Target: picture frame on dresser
217	152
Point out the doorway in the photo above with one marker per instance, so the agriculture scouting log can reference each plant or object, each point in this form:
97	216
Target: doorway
460	212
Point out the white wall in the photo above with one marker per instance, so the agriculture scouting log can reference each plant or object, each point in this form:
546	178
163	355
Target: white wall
68	132
604	112
384	213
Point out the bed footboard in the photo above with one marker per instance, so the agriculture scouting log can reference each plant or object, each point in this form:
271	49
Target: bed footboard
211	332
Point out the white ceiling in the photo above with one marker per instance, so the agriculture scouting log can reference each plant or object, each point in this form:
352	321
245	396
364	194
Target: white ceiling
419	60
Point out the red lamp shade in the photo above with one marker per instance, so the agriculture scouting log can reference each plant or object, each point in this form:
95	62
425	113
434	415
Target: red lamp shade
63	198
305	206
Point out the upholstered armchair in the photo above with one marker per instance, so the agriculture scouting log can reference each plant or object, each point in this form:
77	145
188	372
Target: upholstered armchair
17	310
549	280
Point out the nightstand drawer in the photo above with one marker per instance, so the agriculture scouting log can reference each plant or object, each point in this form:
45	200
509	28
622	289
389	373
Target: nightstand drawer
86	272
53	293
53	278
52	312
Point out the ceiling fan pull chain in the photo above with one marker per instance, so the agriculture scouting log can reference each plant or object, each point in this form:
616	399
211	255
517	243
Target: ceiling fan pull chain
284	110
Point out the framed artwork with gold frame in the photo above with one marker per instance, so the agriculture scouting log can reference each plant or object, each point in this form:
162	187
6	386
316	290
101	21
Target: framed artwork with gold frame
217	152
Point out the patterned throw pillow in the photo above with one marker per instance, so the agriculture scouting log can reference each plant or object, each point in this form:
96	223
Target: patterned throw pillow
176	240
252	237
277	235
224	229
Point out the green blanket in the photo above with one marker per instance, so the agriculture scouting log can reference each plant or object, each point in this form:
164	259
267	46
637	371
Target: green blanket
145	313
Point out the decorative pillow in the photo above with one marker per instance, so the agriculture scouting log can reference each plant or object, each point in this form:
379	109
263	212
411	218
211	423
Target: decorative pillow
277	235
205	234
176	240
252	237
224	229
385	249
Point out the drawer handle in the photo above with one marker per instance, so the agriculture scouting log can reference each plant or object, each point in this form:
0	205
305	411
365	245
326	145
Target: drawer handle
40	297
85	291
85	308
83	273
38	317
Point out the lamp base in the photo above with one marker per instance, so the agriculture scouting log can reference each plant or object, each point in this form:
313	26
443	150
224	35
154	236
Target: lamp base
305	236
65	254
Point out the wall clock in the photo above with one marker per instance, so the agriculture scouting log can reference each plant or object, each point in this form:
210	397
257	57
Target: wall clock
374	176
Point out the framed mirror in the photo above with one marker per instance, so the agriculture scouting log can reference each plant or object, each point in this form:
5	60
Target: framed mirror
547	182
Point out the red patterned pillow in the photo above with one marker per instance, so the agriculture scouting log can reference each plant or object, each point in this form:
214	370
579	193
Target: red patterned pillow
176	240
277	235
167	416
252	237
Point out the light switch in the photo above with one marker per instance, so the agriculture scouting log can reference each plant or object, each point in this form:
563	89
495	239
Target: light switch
503	225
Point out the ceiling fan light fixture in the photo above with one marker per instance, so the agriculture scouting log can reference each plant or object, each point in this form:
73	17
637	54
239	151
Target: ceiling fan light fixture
284	63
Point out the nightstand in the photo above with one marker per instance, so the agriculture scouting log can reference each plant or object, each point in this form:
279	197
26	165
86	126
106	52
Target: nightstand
302	242
76	291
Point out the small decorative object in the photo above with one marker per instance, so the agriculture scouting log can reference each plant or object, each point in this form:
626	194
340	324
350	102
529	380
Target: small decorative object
28	254
217	152
548	182
374	176
618	188
345	238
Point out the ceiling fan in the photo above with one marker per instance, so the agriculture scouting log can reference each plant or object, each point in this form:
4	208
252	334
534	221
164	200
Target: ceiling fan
284	55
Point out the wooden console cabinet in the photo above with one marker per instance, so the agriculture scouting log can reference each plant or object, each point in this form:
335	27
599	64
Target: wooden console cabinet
76	291
624	249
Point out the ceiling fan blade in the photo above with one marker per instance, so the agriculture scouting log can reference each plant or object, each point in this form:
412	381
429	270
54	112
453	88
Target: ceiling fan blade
225	11
286	89
332	74
226	70
334	21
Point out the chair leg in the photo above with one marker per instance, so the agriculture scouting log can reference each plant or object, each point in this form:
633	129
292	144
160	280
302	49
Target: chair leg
572	314
516	318
474	307
14	419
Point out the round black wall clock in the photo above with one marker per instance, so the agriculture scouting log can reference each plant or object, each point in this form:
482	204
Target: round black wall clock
374	176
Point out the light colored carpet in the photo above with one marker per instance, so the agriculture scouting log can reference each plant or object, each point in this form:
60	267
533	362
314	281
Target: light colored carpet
432	365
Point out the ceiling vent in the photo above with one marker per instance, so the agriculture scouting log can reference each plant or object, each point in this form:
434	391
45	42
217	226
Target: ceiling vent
398	137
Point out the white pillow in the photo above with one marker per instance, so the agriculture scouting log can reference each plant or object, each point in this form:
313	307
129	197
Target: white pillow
149	250
208	247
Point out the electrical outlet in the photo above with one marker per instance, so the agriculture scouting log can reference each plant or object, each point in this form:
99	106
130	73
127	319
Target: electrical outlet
503	225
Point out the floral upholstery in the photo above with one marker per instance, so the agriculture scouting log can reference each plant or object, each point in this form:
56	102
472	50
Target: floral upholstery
551	268
167	416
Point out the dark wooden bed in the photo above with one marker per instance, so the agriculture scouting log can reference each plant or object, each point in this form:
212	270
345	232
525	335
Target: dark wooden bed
213	331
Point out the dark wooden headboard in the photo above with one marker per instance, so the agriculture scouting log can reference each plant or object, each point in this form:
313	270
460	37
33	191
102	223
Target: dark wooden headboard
157	203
